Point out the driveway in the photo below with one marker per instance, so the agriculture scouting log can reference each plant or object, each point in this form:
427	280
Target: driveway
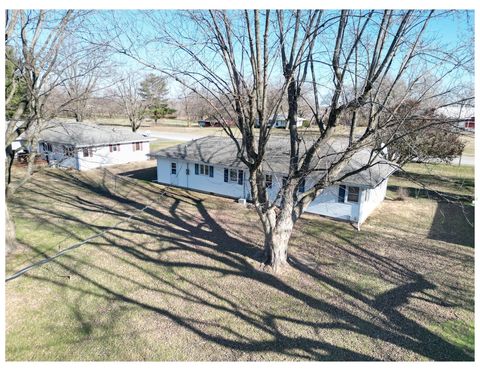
173	135
464	160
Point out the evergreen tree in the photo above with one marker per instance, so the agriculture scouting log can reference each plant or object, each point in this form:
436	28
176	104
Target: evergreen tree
153	90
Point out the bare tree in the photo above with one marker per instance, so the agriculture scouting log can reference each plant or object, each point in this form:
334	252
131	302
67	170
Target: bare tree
82	75
135	107
353	61
187	99
36	38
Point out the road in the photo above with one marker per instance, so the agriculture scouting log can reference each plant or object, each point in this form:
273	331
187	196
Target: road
173	135
464	160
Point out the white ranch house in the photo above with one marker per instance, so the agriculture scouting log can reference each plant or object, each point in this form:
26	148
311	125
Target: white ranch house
463	115
85	146
281	121
210	165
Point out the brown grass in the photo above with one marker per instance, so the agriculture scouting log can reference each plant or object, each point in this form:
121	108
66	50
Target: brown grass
181	280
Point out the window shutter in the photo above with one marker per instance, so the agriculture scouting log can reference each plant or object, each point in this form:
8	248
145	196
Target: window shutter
196	169
301	187
210	173
225	175
341	194
240	176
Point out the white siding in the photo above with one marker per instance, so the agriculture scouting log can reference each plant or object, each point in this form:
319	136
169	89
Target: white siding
16	144
325	204
375	198
101	156
283	123
199	182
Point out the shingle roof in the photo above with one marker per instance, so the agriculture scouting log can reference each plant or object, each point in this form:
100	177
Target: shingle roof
86	134
222	151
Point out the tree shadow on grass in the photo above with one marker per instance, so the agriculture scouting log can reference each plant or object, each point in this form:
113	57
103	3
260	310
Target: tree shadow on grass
194	241
453	223
429	194
149	173
461	183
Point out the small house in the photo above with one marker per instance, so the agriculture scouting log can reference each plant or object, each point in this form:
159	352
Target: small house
462	116
210	164
281	121
85	146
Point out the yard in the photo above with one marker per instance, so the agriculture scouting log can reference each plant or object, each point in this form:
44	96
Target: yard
469	140
175	276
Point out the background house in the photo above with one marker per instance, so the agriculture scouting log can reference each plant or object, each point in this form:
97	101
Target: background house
281	121
86	146
464	116
211	122
210	165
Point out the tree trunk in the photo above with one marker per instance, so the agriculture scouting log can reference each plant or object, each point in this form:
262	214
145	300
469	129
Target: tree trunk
134	125
276	245
10	238
10	156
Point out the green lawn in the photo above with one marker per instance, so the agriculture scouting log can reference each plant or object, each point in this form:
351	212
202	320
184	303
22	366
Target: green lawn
161	144
444	178
180	280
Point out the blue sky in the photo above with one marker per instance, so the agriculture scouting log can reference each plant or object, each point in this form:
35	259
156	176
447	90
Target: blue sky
451	30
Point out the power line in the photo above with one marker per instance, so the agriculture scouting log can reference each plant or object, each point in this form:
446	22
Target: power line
81	243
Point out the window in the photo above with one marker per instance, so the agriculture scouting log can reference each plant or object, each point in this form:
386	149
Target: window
174	168
87	152
68	151
233	176
47	147
114	147
284	181
353	193
137	146
268	181
206	170
341	193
